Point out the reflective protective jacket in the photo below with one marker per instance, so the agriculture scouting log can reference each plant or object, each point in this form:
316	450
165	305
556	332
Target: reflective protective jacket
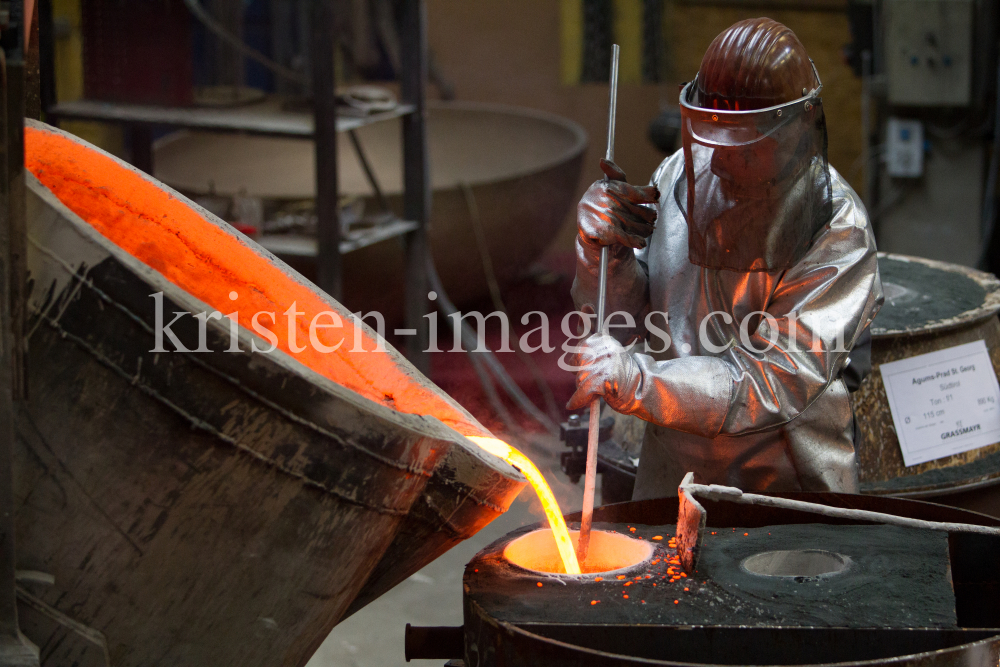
750	391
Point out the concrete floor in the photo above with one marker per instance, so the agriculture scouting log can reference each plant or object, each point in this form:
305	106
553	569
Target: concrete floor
433	596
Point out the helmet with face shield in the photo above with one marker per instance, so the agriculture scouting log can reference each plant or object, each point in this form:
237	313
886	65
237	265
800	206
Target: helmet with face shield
757	184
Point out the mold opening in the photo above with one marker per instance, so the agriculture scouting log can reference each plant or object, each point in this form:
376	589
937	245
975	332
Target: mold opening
797	563
609	551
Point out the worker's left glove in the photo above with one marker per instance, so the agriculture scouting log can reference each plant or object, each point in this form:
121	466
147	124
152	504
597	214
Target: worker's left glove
606	369
614	213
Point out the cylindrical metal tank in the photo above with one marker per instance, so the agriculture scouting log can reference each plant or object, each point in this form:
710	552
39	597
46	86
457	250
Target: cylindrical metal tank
929	306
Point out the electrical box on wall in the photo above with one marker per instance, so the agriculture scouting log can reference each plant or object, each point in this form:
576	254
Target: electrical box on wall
904	148
928	51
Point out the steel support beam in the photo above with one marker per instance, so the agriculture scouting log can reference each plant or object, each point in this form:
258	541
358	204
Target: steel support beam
323	43
416	175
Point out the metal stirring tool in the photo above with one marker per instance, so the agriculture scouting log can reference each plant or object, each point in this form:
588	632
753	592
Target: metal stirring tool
595	407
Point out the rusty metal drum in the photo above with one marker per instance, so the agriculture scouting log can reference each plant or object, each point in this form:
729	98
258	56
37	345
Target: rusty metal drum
929	306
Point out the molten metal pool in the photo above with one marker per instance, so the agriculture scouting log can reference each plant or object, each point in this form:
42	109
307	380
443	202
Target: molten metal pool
609	552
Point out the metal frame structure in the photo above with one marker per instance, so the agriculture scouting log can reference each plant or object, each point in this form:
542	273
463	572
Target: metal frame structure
323	125
15	650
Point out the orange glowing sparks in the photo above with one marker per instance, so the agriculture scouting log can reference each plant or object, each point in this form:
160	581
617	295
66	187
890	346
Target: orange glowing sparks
539	584
549	503
593	602
598	578
656	538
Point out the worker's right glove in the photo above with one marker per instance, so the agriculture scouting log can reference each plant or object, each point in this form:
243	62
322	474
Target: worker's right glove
612	212
605	370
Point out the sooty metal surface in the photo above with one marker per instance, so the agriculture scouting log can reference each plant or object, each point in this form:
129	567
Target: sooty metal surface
918	294
890	577
723	619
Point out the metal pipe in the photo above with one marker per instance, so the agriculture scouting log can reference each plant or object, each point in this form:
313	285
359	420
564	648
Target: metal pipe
868	172
434	643
732	494
14	648
383	203
416	174
590	480
487	358
322	41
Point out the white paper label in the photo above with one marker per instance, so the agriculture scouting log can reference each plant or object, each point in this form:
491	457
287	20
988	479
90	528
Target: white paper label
944	402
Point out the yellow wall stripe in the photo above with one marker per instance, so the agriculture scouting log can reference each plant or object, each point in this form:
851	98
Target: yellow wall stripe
571	41
628	35
69	80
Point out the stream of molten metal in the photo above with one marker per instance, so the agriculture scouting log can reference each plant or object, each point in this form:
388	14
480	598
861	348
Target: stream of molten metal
545	495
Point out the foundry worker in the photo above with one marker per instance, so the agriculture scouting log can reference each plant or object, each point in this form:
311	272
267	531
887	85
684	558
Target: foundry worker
747	225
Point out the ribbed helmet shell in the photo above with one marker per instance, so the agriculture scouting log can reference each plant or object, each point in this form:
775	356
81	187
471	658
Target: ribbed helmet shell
754	64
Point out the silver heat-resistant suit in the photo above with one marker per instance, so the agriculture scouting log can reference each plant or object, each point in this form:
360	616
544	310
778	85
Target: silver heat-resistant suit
790	257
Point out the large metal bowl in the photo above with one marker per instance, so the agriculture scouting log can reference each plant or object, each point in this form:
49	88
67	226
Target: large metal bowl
522	166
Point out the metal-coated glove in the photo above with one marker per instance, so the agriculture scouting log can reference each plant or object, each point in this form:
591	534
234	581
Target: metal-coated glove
606	369
612	212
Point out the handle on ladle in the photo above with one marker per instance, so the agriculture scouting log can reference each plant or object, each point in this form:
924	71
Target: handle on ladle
590	481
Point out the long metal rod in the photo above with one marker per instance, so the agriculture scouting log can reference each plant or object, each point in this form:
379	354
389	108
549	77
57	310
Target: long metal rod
732	494
590	481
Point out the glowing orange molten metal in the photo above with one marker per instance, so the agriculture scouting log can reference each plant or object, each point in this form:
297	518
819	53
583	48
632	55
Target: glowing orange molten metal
209	262
221	270
608	552
567	552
